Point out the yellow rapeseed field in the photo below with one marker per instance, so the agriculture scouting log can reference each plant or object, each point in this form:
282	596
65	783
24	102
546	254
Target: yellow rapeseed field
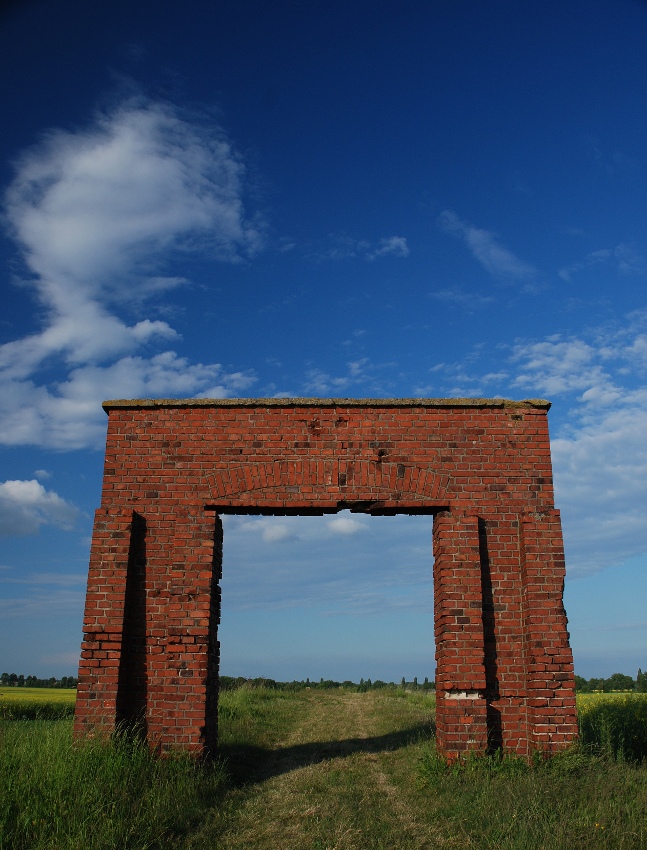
59	695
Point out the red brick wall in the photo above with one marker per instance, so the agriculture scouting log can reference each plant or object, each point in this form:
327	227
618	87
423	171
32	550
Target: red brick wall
482	467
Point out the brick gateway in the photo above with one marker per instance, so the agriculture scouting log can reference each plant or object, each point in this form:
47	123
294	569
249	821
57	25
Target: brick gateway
481	466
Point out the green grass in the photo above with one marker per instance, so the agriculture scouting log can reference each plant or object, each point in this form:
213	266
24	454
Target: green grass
614	725
321	770
571	801
95	795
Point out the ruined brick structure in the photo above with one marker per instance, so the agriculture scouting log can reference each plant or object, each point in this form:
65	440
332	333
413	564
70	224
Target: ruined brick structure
480	466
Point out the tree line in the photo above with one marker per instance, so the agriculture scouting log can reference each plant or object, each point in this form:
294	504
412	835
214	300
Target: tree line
15	680
616	682
232	682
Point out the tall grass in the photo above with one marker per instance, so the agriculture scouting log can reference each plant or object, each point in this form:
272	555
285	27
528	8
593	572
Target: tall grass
95	794
614	725
593	794
301	760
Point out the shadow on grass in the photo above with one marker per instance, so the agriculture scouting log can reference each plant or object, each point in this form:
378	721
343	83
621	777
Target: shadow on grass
249	764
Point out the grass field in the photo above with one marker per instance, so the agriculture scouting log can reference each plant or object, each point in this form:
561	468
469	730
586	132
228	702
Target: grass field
318	770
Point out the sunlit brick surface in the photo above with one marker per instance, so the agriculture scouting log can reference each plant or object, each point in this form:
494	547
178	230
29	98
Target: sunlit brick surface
480	466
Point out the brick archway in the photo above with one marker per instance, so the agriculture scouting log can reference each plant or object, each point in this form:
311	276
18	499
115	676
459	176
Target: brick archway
481	466
327	485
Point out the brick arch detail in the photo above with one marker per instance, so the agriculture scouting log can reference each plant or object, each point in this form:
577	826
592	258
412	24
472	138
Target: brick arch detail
363	479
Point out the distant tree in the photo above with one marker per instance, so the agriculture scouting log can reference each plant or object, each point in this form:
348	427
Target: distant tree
4	678
415	683
403	683
641	682
581	684
618	682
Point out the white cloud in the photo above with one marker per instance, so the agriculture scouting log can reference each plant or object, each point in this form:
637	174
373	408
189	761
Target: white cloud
555	366
328	563
601	488
362	376
269	529
26	505
495	259
394	245
276	532
600	449
95	213
346	525
88	206
598	424
68	414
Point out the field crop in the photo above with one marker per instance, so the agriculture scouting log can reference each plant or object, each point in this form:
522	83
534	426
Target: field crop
36	703
614	724
322	770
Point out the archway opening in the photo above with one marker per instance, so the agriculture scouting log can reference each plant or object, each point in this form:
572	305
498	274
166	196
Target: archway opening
340	597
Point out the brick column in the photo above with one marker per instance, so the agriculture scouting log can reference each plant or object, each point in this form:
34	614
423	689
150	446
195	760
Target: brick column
150	652
549	660
103	625
183	614
461	708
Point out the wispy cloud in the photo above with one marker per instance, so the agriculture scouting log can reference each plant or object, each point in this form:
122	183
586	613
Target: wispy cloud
43	603
322	383
596	382
396	246
95	213
498	261
26	505
600	450
469	301
343	247
623	258
364	565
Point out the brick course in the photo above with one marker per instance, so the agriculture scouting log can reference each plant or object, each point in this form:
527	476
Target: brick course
481	466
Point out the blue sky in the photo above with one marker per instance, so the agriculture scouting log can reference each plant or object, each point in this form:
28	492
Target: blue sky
366	199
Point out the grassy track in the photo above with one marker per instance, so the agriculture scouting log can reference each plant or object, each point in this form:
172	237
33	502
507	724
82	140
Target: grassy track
352	772
334	778
316	770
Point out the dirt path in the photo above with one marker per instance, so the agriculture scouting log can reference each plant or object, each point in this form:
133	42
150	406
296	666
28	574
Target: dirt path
337	782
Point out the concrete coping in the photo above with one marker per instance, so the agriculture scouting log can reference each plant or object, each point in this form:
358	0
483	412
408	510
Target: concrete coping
539	403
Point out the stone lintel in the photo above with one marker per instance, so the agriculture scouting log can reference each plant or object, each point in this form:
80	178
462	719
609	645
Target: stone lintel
537	403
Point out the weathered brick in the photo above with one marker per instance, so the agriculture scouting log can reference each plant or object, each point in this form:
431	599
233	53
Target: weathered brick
482	467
